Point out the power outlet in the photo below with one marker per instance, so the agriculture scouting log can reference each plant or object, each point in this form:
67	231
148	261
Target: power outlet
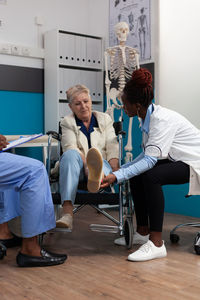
21	50
5	49
15	50
25	51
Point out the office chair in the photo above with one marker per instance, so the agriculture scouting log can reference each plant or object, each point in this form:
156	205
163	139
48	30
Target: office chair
174	238
121	198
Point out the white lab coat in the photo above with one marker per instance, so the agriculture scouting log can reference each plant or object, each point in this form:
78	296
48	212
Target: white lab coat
172	136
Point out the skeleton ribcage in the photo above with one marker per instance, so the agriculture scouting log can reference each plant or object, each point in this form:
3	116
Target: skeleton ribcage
118	69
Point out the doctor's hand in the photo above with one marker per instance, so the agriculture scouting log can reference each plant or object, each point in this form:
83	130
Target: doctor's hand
106	181
3	142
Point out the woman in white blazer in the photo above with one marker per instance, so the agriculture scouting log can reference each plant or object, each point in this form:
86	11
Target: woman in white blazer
171	155
82	130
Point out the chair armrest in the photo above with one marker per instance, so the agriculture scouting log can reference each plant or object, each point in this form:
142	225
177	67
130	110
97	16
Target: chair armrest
54	134
118	128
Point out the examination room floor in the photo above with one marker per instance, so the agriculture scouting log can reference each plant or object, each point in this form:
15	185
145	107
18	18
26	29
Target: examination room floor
98	269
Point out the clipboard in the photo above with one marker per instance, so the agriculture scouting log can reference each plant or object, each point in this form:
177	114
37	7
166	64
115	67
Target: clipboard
21	140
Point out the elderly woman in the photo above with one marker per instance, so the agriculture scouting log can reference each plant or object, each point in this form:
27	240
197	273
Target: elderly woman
82	130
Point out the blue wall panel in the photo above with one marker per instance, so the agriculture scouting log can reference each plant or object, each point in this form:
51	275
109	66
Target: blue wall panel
22	113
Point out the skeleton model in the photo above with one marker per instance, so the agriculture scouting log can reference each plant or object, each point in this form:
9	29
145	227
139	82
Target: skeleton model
123	61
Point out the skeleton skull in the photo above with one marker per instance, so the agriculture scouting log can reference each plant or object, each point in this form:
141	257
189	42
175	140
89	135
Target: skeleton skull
122	31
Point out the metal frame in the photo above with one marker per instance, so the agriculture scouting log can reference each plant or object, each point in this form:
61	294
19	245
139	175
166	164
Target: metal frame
119	224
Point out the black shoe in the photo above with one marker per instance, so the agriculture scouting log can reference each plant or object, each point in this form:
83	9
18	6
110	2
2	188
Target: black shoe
47	259
13	242
2	251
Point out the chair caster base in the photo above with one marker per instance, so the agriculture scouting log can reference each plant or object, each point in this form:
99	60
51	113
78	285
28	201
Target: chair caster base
197	244
174	238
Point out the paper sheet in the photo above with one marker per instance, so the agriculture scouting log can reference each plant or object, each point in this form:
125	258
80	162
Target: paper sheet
21	140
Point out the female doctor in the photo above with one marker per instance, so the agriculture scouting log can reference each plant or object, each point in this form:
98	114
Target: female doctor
171	155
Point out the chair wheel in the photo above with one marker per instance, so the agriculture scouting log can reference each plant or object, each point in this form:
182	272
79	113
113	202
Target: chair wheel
128	232
2	251
197	243
174	238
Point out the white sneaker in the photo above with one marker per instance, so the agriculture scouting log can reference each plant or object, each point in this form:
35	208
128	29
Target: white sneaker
148	251
66	221
138	239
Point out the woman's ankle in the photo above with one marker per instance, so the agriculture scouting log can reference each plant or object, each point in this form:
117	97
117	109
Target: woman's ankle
156	238
5	232
30	247
143	230
68	207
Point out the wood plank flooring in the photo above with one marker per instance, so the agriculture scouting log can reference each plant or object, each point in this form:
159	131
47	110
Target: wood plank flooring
98	269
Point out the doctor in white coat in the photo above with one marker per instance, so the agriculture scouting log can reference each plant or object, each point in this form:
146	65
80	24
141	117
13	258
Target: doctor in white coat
171	155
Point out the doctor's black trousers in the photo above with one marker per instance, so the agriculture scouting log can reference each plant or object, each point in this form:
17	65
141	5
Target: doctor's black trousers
147	193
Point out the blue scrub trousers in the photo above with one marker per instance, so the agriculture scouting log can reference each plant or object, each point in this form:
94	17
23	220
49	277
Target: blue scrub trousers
71	172
25	192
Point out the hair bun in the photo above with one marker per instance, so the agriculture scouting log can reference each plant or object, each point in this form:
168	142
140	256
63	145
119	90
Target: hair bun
142	78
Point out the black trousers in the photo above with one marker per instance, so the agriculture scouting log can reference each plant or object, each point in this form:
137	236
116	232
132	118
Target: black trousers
148	195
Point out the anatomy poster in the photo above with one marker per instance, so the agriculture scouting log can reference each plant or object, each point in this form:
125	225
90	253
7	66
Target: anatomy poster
136	13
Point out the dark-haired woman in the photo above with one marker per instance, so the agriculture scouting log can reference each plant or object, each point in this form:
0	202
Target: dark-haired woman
171	155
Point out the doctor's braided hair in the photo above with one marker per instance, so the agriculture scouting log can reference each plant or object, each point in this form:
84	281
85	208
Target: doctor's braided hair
139	88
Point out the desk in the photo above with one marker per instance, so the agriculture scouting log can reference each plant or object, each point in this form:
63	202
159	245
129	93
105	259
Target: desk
41	141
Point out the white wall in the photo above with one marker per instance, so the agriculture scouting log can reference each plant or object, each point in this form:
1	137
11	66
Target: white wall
83	16
178	85
18	22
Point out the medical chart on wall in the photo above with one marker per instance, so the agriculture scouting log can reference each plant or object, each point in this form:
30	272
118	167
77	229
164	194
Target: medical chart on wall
136	13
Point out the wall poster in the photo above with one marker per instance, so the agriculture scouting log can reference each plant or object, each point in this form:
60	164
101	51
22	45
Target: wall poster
136	13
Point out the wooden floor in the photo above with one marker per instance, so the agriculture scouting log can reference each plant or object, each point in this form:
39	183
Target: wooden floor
97	269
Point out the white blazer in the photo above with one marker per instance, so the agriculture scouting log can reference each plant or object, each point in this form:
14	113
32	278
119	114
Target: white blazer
103	138
172	136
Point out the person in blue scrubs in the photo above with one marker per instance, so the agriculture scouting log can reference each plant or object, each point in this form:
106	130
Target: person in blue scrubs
171	155
25	192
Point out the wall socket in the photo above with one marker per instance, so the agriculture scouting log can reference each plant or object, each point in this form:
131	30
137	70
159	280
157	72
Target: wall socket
21	50
5	49
15	50
25	51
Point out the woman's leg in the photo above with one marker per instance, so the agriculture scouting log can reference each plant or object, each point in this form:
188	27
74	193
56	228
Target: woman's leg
71	171
106	167
164	172
148	194
9	209
9	205
28	177
140	204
